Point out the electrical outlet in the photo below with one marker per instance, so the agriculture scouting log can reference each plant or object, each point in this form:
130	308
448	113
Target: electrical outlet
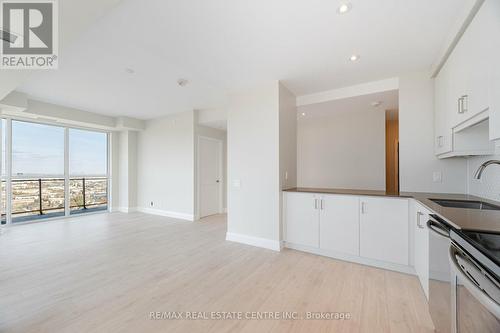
437	177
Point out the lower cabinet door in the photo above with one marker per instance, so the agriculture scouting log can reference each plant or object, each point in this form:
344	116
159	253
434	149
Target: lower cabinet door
384	229
339	224
422	246
302	219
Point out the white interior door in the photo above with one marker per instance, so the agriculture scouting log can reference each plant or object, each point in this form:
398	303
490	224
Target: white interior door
210	176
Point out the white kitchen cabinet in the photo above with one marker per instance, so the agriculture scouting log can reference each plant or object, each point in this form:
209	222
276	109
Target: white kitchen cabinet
339	224
419	216
470	69
466	89
442	124
491	16
384	229
363	229
302	219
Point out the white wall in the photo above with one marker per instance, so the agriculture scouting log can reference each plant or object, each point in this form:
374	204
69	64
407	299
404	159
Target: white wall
166	166
114	168
287	138
127	170
489	184
287	144
210	132
253	160
132	168
416	141
341	147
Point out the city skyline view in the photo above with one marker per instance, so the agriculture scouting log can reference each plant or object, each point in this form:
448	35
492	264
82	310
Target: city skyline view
38	170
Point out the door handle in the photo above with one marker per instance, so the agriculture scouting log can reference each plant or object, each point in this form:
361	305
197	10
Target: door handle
435	226
363	208
465	103
419	214
440	141
217	181
460	106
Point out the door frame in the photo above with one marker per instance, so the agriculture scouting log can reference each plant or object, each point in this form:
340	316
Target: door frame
221	178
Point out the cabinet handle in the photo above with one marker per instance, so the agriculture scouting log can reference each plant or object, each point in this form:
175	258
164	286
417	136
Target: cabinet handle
363	208
321	203
440	141
419	214
315	203
465	103
460	107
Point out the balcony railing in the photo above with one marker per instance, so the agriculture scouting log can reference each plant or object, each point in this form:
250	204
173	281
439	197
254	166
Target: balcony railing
46	196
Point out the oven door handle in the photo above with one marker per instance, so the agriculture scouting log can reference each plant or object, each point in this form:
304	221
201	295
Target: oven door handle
436	228
479	294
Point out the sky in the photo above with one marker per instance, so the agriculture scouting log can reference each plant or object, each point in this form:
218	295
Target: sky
39	150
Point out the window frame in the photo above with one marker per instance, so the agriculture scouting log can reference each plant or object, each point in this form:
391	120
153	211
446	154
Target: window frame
66	176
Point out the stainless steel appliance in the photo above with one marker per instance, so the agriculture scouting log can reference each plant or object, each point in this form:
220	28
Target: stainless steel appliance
439	274
475	287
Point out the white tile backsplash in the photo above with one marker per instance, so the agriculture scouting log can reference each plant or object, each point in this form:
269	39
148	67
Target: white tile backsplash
489	184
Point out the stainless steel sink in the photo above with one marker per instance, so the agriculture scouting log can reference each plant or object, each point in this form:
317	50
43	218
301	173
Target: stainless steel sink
469	204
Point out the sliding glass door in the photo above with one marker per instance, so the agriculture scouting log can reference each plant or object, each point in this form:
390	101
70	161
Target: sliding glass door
49	171
3	174
37	171
88	171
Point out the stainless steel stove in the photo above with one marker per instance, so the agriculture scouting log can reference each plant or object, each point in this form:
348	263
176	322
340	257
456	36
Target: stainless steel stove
475	284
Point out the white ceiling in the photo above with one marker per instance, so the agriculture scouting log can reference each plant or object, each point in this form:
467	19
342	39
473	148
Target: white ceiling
227	45
389	101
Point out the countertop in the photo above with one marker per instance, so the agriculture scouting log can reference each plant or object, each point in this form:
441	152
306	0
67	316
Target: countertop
460	218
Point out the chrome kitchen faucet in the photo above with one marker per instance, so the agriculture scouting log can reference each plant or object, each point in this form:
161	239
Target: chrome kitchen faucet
483	166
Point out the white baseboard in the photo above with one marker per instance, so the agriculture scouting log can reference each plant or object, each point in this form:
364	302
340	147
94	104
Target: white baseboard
160	212
353	258
254	241
124	209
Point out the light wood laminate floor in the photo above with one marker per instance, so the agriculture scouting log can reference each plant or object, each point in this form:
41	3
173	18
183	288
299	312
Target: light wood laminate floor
107	272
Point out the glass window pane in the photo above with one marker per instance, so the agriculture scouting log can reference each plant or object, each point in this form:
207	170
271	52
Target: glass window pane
4	141
88	194
87	153
37	171
76	194
87	161
3	202
3	193
96	191
37	150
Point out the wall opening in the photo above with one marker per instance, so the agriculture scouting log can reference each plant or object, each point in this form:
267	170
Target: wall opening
392	151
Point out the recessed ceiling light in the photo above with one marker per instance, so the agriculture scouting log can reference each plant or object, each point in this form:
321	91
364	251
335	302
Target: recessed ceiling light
129	70
354	57
303	114
344	7
182	82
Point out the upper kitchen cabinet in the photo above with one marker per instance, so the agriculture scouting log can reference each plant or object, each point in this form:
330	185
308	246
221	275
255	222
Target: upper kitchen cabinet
492	17
466	89
442	122
470	70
